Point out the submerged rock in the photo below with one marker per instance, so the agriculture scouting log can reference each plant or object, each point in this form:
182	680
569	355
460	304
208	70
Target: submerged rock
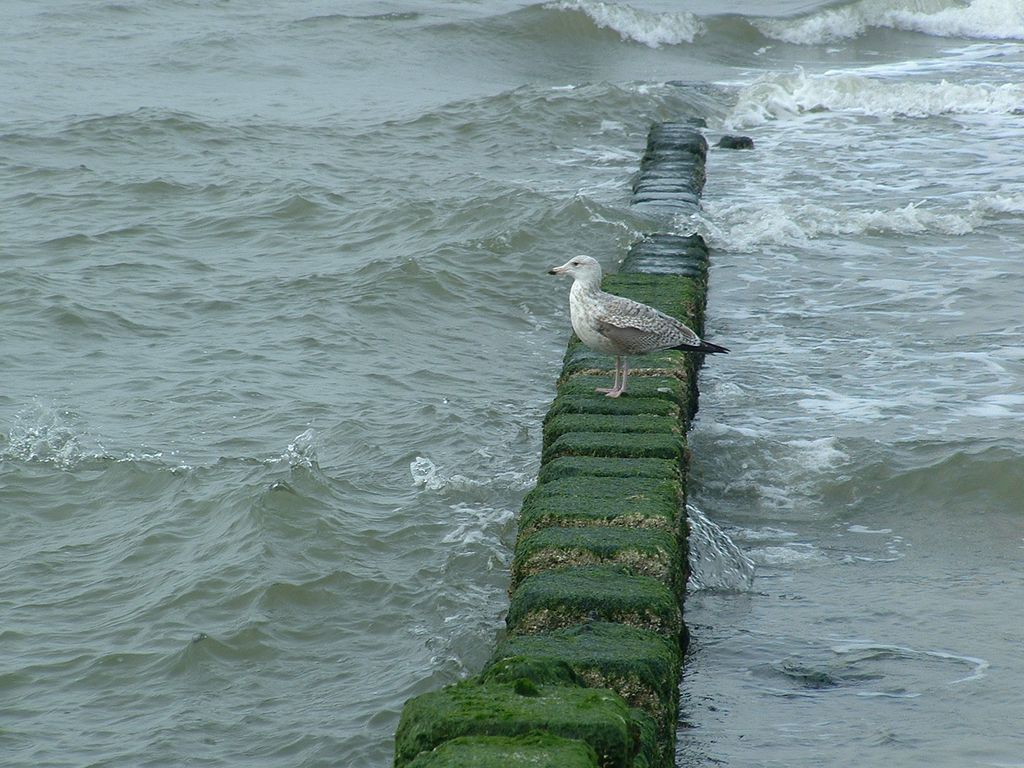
735	142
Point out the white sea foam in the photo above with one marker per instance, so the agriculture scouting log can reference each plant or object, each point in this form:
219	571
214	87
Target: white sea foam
866	651
793	554
865	529
736	227
818	455
985	19
647	27
781	96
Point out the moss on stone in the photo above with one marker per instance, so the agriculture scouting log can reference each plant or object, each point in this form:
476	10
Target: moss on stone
600	466
667	387
633	502
581	359
656	749
597	717
572	399
610	487
641	666
626	502
621	445
555	599
537	669
540	750
598	510
640	551
556	426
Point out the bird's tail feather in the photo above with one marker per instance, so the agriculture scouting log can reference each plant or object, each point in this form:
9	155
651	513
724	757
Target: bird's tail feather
705	346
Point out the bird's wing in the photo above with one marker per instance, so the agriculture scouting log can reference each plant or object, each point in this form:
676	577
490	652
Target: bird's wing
639	328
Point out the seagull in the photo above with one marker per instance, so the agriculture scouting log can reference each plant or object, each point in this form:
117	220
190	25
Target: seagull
614	325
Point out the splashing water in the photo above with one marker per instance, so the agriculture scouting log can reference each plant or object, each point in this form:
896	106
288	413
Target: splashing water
716	563
301	451
47	434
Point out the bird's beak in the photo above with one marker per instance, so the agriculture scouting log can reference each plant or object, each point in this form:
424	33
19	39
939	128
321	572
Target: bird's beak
557	270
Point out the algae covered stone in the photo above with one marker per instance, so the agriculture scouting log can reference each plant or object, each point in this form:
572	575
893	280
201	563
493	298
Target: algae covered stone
595	716
640	665
534	751
555	599
640	551
583	500
565	467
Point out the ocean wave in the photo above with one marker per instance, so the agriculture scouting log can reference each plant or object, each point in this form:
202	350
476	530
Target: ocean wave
734	227
983	19
779	96
635	25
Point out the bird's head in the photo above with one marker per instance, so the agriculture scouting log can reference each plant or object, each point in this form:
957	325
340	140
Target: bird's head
583	268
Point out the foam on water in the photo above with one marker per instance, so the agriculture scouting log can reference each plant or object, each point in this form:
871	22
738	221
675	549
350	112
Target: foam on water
647	27
783	96
859	652
986	19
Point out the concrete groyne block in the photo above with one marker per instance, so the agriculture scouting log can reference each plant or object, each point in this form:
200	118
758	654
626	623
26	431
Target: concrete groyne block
625	445
640	665
639	551
576	389
597	717
672	169
669	254
600	466
559	424
557	599
581	501
539	750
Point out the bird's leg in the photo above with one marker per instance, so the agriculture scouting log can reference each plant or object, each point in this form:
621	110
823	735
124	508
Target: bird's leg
615	384
625	373
620	383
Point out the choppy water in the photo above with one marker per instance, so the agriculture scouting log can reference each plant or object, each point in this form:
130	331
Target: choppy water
277	341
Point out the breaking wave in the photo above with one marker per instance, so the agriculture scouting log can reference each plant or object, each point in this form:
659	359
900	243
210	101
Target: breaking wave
632	24
983	19
734	227
776	96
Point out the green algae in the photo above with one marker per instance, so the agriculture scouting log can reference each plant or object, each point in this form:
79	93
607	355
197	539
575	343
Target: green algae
618	445
609	486
638	551
539	670
640	665
666	387
656	749
565	467
554	599
575	399
556	426
582	500
539	750
597	717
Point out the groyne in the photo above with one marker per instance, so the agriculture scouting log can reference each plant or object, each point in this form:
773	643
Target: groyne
588	673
